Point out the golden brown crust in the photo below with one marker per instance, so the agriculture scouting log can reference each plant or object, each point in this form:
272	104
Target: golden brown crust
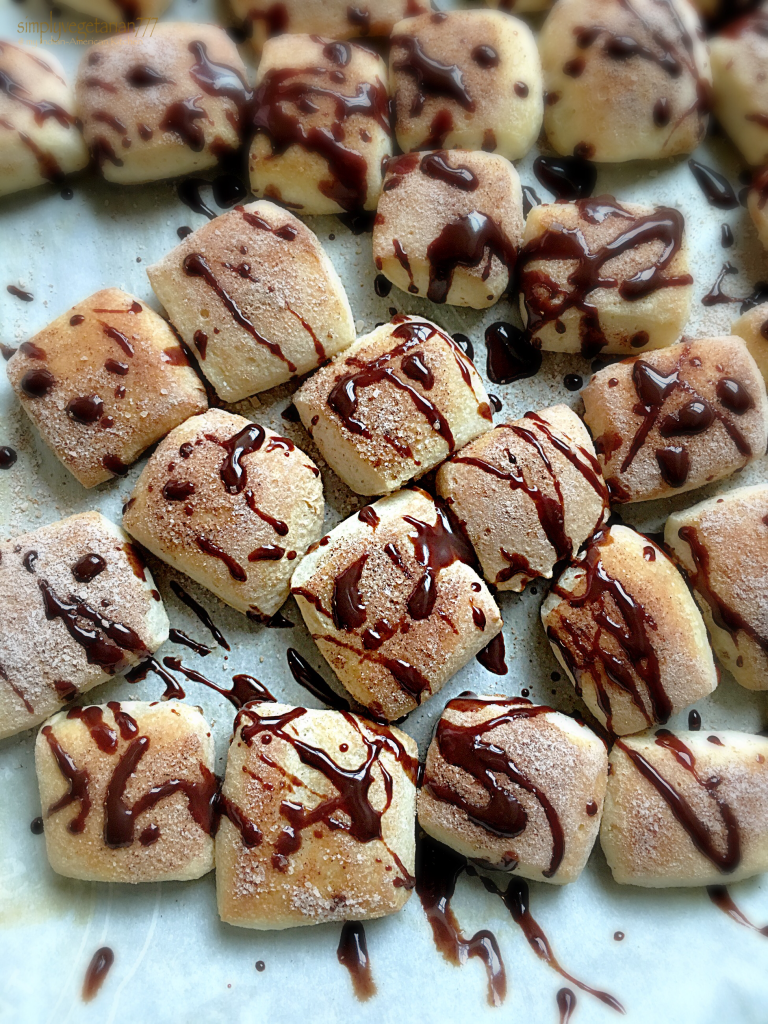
326	873
524	501
554	756
644	842
638	624
42	664
217	535
269	305
722	544
674	443
401	437
500	107
396	657
115	349
140	129
415	208
165	841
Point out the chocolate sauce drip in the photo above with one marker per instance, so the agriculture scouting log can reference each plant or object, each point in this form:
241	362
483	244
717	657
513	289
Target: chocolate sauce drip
97	971
201	613
188	192
721	898
352	953
437	871
85	409
511	355
18	292
250	833
37	383
94	641
280	528
88	567
173	691
177	636
208	547
716	188
102	734
464	243
42	110
470	748
234	474
182	118
382	286
734	396
275	18
369	516
244	688
78	781
7	351
120	818
725	860
306	676
115	465
694	417
567	177
674	465
360	820
566	1004
516	899
114	335
196	265
348	185
347	605
724	617
546	301
178	490
465	345
433	78
485	56
615	612
8	457
492	657
530	199
716	296
144	77
220	80
116	367
266	553
436	547
435	165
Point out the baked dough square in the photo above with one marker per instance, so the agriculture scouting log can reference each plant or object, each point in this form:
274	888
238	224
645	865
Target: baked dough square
103	382
393	603
722	544
600	276
467	80
322	129
40	139
77	606
254	294
625	628
677	418
739	56
232	505
449	225
160	104
394	405
528	493
318	820
514	786
625	81
128	792
686	808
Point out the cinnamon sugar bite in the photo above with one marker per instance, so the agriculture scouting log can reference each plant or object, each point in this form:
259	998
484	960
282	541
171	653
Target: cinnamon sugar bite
128	792
627	631
321	124
528	493
448	226
78	606
318	819
468	80
394	405
677	418
625	81
393	603
231	504
103	382
159	104
686	808
514	786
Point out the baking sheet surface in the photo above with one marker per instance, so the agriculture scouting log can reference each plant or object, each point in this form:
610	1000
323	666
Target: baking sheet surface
681	959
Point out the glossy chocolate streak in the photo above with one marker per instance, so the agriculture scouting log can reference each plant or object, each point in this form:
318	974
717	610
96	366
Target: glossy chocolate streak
201	613
470	748
725	860
725	617
352	953
721	898
245	688
465	242
716	188
234	474
42	110
437	871
581	459
346	604
173	691
97	971
114	335
94	641
182	119
177	636
566	1004
492	657
208	547
78	781
568	178
546	301
120	818
219	79
436	546
141	76
631	630
511	354
435	165
102	734
196	265
361	820
433	78
348	169
280	528
517	901
306	676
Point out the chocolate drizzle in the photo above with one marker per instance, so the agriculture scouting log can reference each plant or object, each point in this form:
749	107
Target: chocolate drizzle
721	898
435	165
352	953
201	613
493	656
467	242
244	690
306	676
568	178
97	971
433	78
511	354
